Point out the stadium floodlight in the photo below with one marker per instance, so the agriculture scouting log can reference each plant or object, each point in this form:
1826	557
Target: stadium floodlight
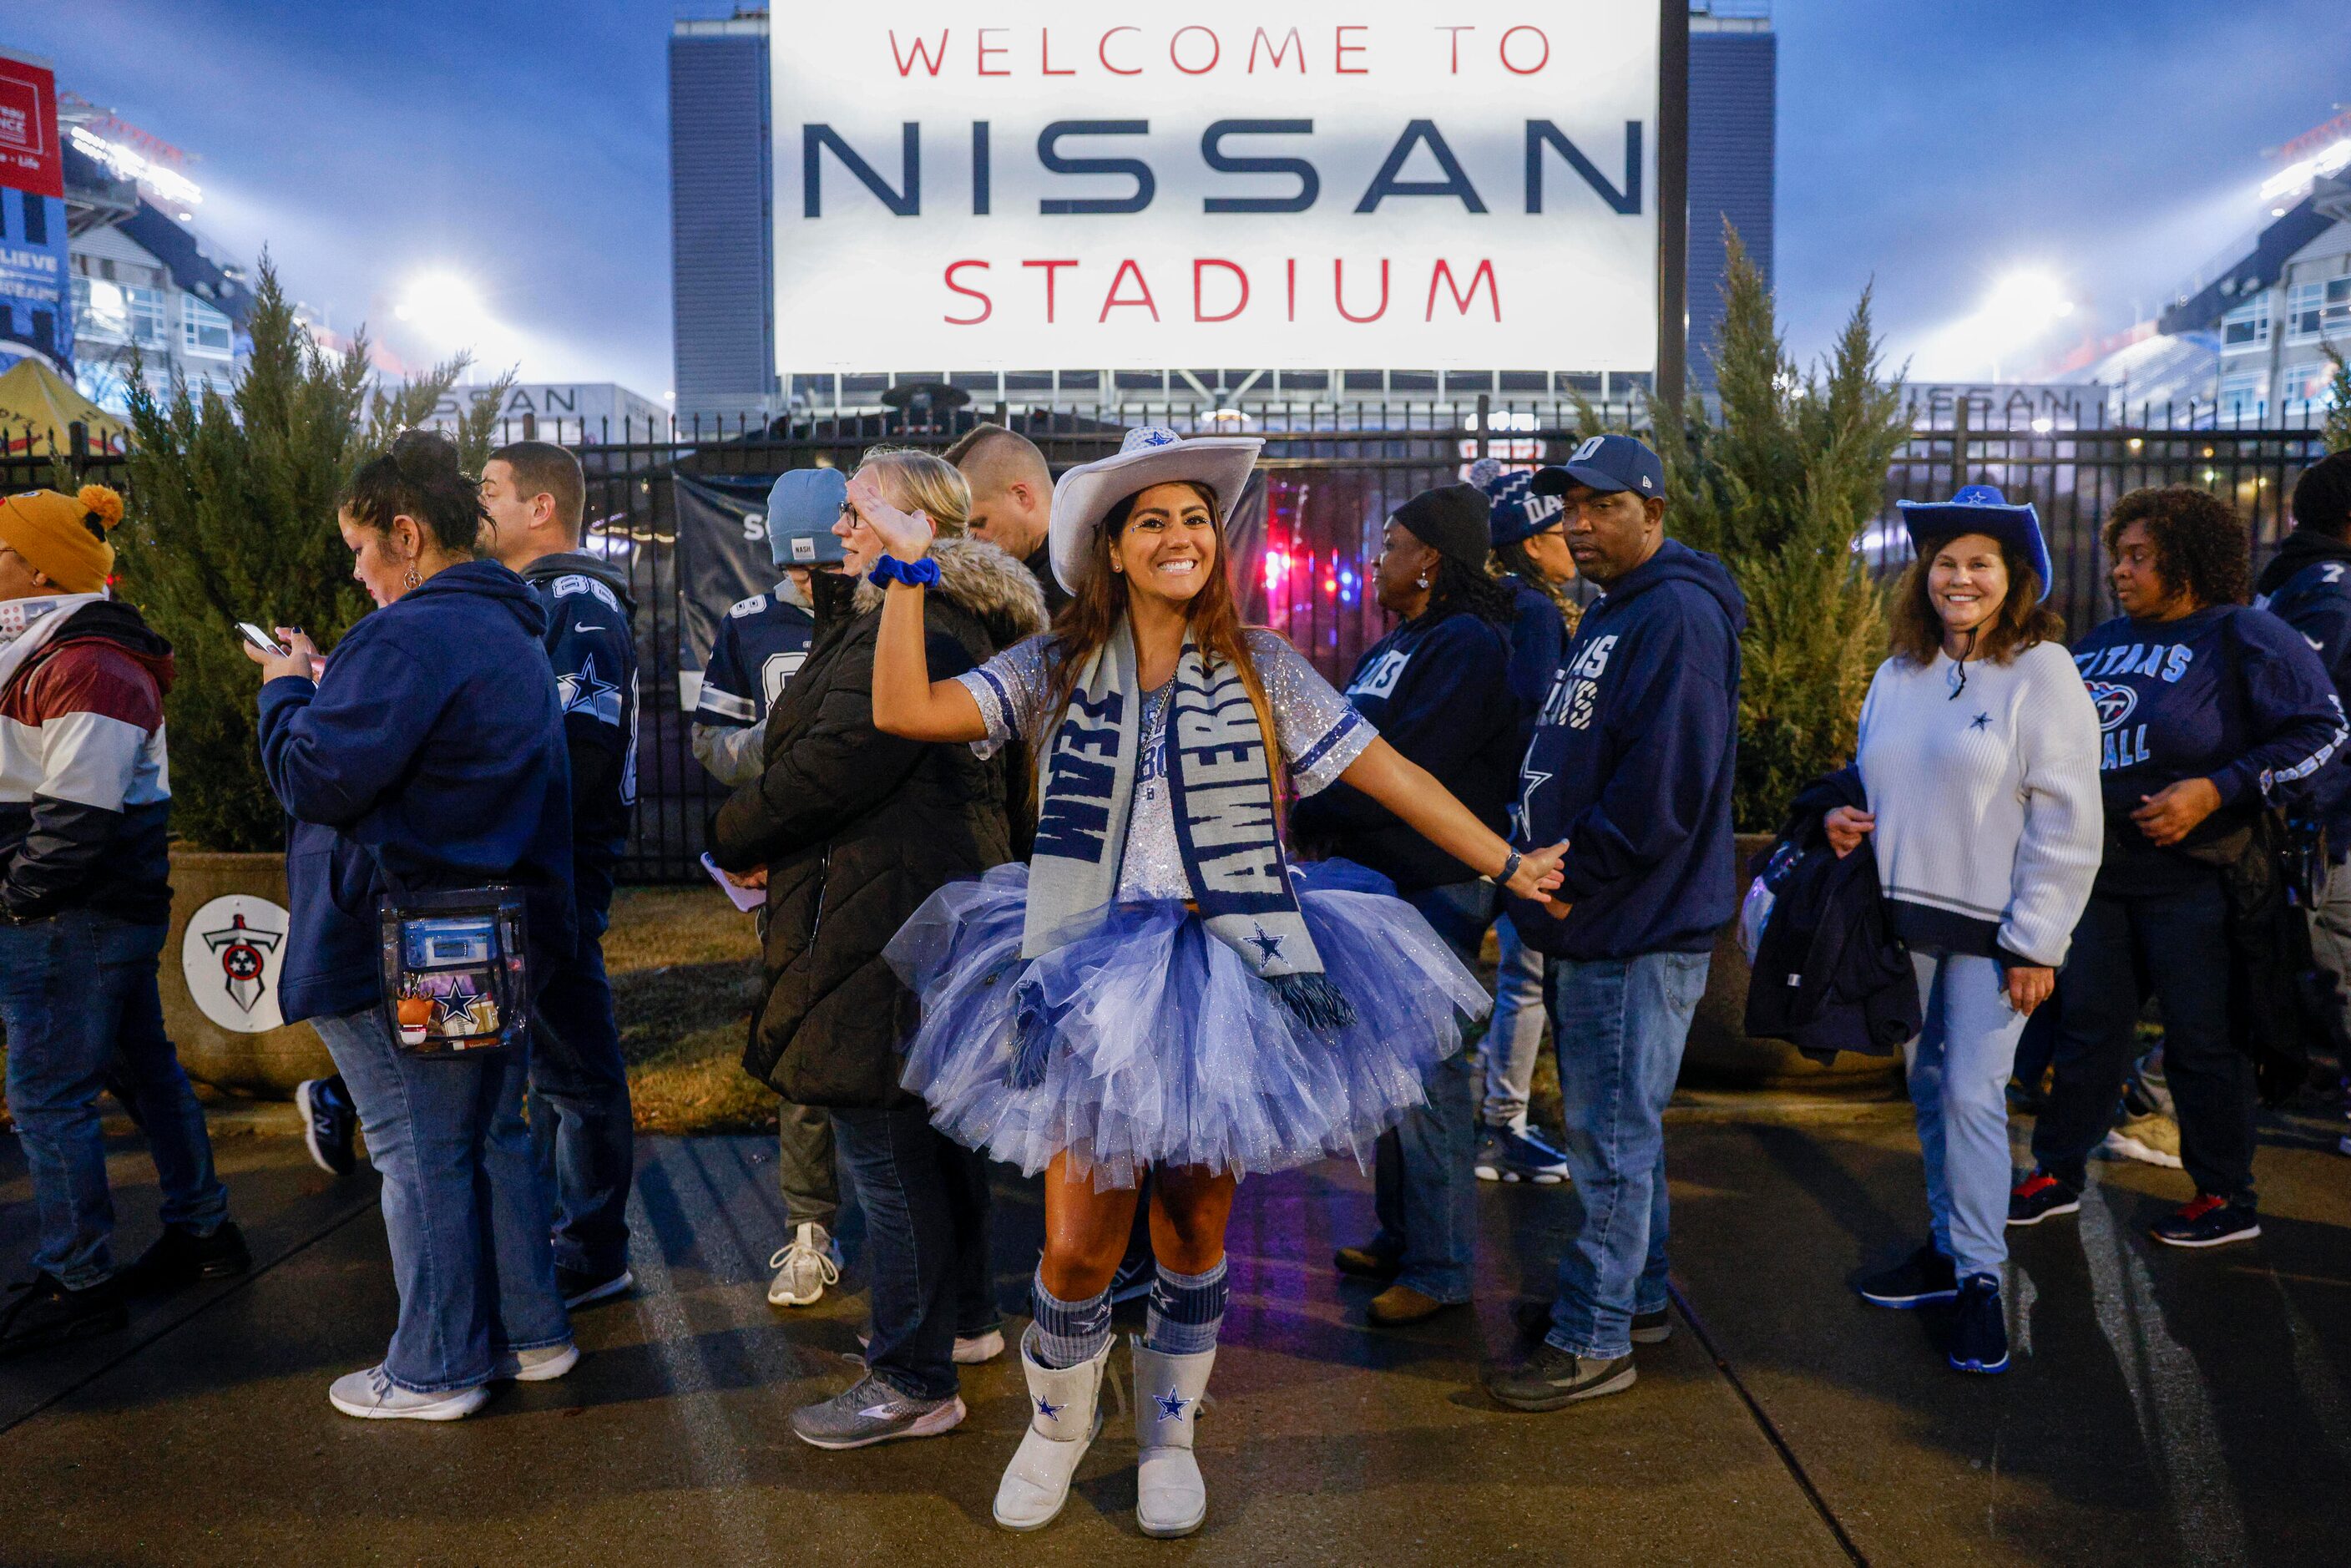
444	309
2328	160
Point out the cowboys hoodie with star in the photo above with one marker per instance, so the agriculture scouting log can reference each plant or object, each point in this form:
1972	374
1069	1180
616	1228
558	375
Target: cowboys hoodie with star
591	642
2227	693
1631	762
2308	585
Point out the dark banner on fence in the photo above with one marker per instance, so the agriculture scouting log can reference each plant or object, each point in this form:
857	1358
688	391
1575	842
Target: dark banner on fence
721	547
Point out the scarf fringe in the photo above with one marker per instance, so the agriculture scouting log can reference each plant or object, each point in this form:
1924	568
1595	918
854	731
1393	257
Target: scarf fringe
1314	999
1032	1040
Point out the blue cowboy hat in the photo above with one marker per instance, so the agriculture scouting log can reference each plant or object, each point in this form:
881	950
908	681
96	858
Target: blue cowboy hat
1979	509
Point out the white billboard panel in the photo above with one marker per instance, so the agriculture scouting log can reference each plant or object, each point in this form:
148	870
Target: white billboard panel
1107	185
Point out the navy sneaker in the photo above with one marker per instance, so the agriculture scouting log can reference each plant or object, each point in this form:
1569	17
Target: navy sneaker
2208	1221
2039	1196
1924	1276
1978	1328
329	1123
1512	1154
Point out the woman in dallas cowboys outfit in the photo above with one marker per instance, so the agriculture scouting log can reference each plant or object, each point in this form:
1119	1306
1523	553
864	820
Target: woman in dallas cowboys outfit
1159	989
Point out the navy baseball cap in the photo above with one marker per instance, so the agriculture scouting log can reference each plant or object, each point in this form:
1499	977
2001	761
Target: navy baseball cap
1518	512
801	510
1606	464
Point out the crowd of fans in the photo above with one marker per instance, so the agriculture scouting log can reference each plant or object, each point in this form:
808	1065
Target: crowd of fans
1015	796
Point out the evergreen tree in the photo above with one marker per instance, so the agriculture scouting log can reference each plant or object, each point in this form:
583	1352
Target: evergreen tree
232	519
2338	403
1781	488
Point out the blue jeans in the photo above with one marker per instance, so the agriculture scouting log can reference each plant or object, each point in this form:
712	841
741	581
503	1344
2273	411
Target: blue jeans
1515	1035
1959	1066
1619	1026
925	1200
77	995
581	1120
463	1208
1425	1183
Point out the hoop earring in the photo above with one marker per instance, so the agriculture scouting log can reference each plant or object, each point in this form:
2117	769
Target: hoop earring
412	579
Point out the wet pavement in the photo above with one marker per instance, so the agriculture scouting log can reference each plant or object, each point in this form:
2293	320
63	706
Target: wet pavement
2165	1407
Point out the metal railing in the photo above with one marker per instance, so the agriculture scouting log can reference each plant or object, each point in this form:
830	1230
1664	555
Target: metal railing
1330	476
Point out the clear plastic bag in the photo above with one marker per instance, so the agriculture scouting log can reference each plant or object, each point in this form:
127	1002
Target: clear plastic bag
456	982
1753	911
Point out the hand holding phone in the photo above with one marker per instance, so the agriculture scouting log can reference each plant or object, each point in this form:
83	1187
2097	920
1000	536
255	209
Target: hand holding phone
294	655
263	642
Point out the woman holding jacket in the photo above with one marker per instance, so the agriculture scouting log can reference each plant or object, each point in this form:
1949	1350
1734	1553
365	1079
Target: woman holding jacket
856	827
428	717
1977	752
1438	687
1157	989
2209	712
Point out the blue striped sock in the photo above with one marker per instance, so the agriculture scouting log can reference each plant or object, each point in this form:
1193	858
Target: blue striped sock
1186	1310
1069	1334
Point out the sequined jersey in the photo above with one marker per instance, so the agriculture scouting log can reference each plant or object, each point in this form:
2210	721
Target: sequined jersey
1319	734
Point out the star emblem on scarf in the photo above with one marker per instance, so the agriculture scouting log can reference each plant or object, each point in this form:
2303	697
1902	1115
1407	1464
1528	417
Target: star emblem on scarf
1981	721
1052	1412
1171	1404
1268	947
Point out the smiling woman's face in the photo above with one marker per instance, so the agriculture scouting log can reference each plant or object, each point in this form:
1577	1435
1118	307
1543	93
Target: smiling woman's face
1169	544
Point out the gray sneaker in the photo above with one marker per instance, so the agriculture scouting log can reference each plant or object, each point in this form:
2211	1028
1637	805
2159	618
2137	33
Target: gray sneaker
870	1411
1551	1379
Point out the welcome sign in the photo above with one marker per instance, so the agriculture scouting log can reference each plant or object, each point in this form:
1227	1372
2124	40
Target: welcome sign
1117	186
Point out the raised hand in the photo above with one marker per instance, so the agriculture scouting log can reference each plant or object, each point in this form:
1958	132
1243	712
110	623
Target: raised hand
906	535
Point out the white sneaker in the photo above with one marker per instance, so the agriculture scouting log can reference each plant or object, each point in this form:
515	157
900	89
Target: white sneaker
805	1268
2151	1140
545	1365
373	1397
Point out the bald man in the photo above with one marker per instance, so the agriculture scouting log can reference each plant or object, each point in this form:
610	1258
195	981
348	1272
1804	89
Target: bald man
1011	500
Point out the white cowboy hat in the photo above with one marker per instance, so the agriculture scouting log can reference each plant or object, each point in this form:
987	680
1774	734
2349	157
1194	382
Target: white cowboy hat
1150	455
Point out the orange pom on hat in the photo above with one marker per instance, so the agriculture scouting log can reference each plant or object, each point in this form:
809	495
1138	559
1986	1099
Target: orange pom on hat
63	538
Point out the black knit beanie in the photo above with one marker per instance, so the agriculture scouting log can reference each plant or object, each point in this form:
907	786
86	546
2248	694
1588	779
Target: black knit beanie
2322	499
1450	520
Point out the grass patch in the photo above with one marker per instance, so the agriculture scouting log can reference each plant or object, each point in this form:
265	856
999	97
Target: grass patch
685	976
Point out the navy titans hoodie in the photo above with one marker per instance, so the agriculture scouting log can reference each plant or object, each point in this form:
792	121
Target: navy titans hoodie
2308	585
1631	762
1439	694
434	742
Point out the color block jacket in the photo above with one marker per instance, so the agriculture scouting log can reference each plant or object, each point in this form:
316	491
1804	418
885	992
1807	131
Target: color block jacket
84	789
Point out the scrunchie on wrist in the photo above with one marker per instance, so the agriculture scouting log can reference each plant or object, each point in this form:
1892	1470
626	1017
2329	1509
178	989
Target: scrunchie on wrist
921	574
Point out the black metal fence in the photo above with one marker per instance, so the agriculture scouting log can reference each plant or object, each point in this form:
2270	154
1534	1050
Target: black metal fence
1304	543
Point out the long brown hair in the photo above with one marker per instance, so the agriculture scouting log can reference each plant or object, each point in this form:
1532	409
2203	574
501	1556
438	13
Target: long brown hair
1093	615
2023	618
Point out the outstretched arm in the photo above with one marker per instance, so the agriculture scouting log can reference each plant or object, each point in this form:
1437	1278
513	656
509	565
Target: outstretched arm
906	701
1413	793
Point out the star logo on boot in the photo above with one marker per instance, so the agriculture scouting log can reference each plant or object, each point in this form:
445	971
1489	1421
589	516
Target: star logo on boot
1171	1404
1052	1412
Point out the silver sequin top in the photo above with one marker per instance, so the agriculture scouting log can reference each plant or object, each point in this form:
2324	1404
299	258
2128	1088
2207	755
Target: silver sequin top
1318	732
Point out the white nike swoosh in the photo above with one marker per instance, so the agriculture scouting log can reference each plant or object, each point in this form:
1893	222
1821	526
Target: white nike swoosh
592	630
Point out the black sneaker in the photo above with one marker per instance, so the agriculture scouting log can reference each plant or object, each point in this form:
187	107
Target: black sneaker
180	1257
1533	1320
2039	1196
1549	1378
329	1123
2208	1221
1978	1328
46	1313
579	1288
1924	1276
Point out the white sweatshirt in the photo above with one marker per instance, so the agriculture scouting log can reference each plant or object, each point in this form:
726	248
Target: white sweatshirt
1989	820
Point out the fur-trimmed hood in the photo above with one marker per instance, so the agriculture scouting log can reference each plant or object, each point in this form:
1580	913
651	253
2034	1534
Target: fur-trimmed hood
985	582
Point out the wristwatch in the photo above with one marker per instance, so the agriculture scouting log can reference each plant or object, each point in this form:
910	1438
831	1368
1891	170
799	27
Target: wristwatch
1510	869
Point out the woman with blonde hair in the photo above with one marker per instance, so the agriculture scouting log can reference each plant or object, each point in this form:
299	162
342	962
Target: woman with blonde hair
1158	989
855	827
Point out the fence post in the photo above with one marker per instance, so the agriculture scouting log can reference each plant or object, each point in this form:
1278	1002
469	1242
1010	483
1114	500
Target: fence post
78	440
1959	445
1483	407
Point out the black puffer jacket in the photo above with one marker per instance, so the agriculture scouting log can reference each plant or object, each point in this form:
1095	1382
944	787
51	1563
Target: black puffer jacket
856	828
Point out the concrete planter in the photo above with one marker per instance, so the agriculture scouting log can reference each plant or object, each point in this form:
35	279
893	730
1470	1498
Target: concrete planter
1722	1055
220	975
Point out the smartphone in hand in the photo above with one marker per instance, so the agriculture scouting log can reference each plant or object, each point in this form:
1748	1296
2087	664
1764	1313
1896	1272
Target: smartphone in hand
263	640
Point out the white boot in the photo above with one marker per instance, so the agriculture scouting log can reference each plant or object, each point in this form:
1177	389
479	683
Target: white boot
1170	1498
1064	1414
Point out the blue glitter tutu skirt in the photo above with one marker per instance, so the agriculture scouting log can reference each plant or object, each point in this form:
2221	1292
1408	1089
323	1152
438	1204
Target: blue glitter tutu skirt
1165	1048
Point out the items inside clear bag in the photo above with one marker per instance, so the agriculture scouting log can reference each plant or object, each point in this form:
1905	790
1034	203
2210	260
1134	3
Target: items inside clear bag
455	981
